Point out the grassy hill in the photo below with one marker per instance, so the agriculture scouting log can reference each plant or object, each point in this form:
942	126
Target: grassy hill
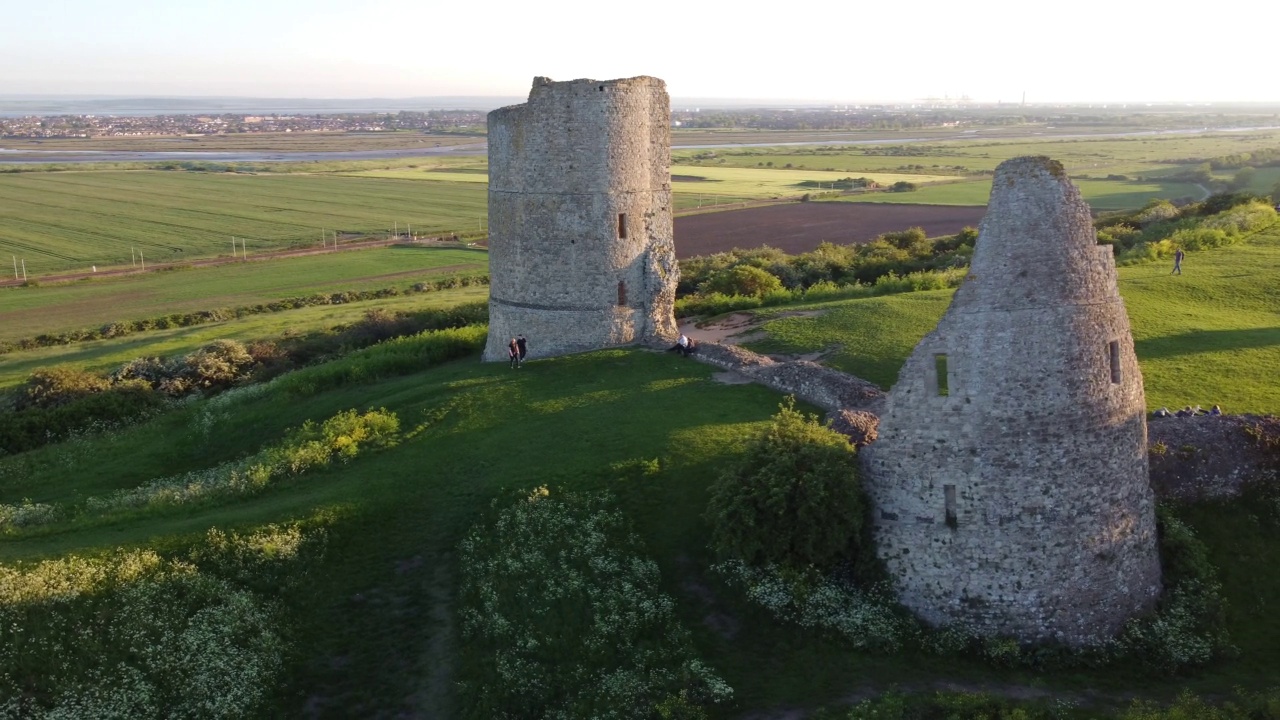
372	629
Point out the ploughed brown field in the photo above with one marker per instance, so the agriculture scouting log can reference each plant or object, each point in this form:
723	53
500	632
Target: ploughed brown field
799	227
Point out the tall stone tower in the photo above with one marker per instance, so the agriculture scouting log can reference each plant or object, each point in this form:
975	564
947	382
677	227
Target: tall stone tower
1009	482
581	254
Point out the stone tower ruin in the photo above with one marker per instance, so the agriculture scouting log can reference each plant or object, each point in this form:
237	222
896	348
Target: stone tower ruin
581	254
1009	482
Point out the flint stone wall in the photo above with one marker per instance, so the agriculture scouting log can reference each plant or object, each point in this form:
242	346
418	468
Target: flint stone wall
581	250
1011	494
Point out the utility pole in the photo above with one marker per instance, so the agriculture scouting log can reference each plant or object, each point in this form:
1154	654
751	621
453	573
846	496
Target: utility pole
233	246
15	267
133	256
24	269
144	260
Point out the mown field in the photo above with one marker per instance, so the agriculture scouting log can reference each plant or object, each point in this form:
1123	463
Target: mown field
27	311
72	220
374	633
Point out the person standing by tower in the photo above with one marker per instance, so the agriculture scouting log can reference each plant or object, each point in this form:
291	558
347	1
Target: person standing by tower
1177	262
523	346
513	353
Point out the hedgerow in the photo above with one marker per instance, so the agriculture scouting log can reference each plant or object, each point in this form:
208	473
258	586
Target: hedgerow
173	320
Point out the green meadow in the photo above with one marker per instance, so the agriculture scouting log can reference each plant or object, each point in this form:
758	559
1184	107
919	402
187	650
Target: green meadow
374	633
28	311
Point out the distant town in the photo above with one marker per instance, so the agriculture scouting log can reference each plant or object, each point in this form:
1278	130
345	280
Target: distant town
92	125
932	114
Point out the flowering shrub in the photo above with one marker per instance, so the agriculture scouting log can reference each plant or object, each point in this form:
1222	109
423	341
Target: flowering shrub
306	448
868	619
27	513
132	636
562	618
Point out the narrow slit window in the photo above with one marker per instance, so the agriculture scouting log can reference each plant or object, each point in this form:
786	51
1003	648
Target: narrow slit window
949	495
1113	354
622	293
940	370
622	226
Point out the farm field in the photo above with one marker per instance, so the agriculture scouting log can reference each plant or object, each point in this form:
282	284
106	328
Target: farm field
26	311
1140	154
800	227
106	355
1208	337
72	220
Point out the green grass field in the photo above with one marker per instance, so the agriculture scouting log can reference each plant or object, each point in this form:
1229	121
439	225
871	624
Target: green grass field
374	624
72	220
1210	336
27	311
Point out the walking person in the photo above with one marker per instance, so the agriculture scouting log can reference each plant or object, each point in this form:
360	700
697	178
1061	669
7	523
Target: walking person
513	354
523	346
1177	262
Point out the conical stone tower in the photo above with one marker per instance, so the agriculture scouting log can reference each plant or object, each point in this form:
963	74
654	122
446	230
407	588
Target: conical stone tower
1009	482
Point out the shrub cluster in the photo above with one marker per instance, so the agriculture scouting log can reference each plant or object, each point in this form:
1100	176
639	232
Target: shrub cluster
57	402
134	635
899	253
173	320
1159	229
562	617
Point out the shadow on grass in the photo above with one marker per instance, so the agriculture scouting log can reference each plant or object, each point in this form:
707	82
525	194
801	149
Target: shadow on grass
1199	341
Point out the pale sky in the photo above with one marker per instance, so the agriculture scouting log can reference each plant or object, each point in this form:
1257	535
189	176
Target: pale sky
839	51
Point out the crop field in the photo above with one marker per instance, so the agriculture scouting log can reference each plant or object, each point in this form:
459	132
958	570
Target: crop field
72	220
26	311
1207	337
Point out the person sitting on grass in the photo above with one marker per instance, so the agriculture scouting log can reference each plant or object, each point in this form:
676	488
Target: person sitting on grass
684	345
1162	413
1216	410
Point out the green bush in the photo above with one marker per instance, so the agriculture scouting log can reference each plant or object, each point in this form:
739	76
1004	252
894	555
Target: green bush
52	387
219	364
742	280
794	499
562	617
133	636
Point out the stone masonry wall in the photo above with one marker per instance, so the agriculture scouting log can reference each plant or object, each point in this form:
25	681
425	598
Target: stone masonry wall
581	251
1009	481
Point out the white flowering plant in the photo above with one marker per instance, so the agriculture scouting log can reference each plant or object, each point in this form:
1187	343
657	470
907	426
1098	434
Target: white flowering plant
562	618
134	635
